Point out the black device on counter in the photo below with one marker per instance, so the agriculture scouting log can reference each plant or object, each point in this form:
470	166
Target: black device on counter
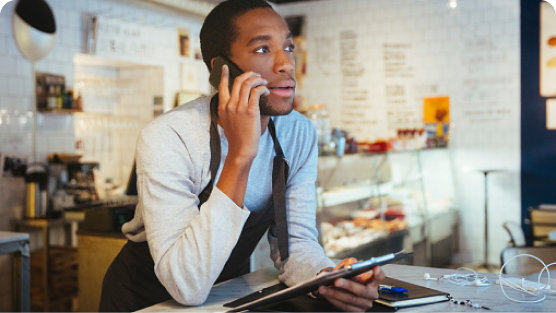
107	218
216	72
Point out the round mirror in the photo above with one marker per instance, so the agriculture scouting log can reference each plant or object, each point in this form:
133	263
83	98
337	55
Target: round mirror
34	28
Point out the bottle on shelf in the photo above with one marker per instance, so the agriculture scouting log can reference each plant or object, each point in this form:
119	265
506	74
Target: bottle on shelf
78	103
51	99
340	140
68	100
59	101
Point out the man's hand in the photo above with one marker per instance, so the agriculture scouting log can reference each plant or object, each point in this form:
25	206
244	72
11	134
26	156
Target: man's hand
356	294
239	114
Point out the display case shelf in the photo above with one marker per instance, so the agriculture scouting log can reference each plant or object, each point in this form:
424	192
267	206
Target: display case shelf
345	194
393	239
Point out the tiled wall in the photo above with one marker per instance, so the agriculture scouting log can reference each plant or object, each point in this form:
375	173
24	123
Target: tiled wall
123	26
117	103
129	30
467	50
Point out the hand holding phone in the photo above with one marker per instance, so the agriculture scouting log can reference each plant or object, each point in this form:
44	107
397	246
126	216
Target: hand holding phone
216	72
238	106
239	115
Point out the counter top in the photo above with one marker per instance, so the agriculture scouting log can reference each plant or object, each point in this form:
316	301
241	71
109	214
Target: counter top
490	296
224	292
8	236
15	242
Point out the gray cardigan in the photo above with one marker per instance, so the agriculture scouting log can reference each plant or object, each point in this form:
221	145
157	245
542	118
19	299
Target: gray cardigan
190	245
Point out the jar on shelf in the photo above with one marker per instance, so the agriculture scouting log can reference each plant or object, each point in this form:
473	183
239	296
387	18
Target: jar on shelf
340	141
320	118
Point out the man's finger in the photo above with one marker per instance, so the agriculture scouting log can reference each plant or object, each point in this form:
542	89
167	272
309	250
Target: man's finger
378	275
379	272
348	293
241	88
247	88
364	278
346	307
345	262
356	289
223	91
346	298
255	96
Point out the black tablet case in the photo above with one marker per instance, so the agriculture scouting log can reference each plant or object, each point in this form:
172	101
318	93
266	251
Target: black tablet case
326	278
304	303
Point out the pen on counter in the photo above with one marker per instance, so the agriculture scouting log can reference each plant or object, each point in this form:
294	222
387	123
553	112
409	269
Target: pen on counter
393	289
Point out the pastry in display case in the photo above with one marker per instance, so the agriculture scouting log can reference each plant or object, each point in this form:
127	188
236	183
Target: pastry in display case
361	227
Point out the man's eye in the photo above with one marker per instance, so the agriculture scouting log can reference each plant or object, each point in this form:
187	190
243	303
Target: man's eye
290	48
262	50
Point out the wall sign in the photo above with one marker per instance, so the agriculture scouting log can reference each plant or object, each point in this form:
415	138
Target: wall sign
548	50
183	42
117	37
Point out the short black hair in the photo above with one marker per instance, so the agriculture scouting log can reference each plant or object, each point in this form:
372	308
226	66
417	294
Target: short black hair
219	31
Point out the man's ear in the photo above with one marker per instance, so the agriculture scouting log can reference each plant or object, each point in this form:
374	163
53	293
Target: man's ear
212	63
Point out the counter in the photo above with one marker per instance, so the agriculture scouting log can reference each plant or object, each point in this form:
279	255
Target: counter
490	296
96	252
11	242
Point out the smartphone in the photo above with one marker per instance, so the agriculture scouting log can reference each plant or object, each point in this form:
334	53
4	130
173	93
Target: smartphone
216	73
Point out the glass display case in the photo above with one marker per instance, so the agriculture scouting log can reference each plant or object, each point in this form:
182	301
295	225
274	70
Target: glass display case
371	204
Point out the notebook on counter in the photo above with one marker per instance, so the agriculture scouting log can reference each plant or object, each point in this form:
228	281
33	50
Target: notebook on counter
415	295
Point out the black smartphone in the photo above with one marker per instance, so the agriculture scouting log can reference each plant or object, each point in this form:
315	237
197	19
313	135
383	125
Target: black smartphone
216	73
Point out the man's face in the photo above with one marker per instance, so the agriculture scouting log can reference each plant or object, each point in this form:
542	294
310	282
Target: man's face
264	45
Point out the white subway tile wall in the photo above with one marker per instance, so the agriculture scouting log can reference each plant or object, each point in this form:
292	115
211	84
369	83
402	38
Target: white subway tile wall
470	53
117	103
142	33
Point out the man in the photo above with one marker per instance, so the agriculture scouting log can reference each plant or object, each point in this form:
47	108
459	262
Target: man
197	238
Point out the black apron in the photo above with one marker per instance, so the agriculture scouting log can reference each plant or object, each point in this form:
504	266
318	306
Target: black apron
130	283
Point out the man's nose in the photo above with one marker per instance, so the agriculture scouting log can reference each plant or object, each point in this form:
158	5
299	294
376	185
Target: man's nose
284	62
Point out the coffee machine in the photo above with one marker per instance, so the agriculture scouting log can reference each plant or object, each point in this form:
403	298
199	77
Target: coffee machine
36	181
70	184
81	181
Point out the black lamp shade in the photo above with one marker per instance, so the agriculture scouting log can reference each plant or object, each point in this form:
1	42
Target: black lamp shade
34	28
37	14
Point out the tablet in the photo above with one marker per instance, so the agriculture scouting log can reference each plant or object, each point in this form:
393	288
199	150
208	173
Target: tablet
323	279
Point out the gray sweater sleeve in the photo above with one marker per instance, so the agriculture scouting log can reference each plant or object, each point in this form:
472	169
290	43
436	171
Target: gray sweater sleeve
189	245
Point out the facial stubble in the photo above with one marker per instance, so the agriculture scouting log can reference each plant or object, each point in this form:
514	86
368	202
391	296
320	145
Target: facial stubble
266	107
